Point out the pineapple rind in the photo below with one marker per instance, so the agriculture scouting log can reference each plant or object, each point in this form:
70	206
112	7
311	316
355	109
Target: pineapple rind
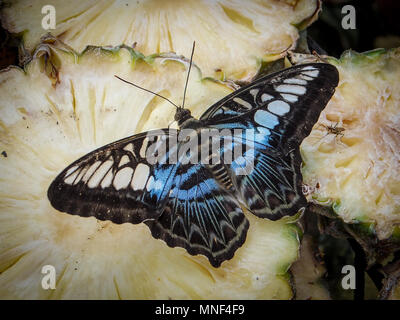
357	173
45	125
390	289
229	35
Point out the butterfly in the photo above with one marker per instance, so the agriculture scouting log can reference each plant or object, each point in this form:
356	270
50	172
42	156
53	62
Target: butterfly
196	205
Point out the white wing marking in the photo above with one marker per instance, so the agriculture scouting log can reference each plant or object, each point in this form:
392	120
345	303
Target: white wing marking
124	160
295	89
266	119
140	176
243	103
123	178
99	174
266	97
289	97
279	107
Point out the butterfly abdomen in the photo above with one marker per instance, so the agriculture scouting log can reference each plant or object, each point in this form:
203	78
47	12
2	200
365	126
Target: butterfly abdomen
221	175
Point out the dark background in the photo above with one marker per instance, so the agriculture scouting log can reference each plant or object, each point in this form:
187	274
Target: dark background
377	26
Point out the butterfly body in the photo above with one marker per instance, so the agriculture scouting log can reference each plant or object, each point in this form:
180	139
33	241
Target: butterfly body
193	199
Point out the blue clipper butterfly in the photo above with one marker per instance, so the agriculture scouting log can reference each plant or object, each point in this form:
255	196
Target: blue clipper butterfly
198	206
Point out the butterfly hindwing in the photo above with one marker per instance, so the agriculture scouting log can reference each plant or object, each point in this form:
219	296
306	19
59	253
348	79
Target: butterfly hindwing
201	216
265	180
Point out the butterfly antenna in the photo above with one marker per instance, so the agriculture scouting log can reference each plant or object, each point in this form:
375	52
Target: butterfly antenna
139	87
187	78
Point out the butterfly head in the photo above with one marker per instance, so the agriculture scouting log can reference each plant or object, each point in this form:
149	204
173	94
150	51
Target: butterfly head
182	115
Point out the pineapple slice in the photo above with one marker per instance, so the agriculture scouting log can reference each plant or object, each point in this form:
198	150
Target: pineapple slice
233	38
45	124
351	158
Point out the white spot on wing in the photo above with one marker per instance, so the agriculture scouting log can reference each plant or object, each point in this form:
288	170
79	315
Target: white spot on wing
266	97
309	68
289	97
129	147
288	88
123	178
143	149
107	179
295	81
254	92
83	171
243	103
71	178
263	130
303	76
70	170
266	119
313	73
140	176
91	170
99	174
124	160
279	107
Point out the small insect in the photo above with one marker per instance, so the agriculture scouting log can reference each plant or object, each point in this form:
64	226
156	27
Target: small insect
335	130
197	206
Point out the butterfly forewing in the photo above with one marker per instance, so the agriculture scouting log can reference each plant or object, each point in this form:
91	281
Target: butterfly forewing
281	110
116	182
286	103
181	203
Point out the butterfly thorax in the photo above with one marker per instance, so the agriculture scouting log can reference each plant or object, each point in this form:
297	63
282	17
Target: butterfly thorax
185	119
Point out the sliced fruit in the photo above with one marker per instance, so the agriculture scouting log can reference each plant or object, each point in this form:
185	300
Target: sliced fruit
63	105
232	37
351	158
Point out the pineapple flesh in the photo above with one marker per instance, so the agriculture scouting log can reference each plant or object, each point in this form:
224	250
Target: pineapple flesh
351	158
63	105
233	37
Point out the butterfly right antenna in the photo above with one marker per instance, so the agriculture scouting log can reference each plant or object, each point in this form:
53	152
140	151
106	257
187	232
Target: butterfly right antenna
187	78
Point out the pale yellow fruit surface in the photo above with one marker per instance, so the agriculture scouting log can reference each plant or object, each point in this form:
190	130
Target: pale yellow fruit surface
232	37
352	156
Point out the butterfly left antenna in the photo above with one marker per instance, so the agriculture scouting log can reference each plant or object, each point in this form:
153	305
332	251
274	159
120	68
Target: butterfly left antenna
187	78
139	87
